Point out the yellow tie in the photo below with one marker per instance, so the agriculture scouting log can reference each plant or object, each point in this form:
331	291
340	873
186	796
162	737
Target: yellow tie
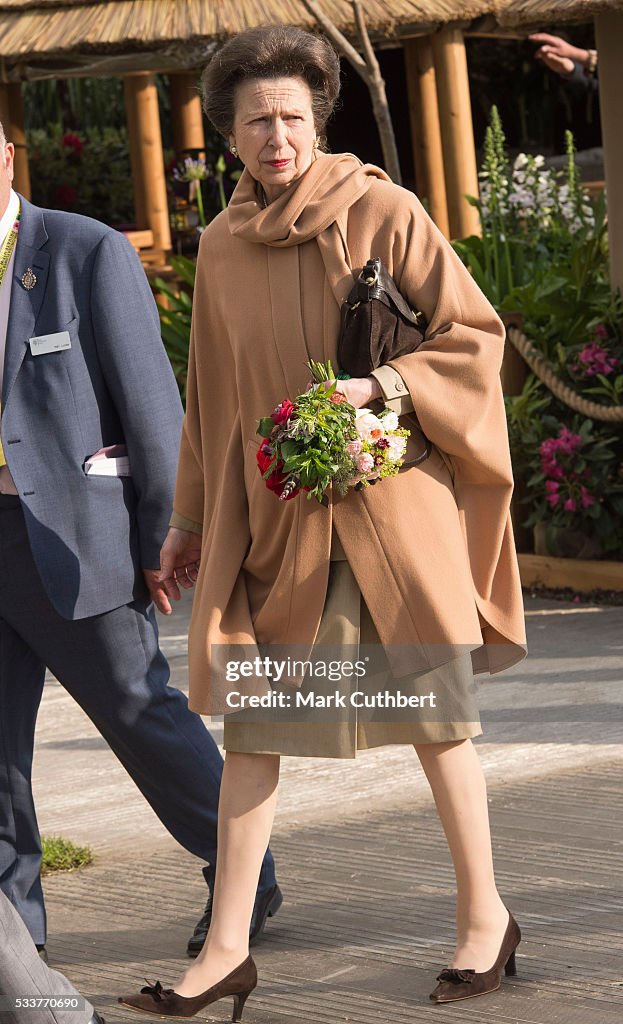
5	258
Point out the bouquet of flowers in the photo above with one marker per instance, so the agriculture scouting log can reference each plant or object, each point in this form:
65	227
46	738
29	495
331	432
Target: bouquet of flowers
320	439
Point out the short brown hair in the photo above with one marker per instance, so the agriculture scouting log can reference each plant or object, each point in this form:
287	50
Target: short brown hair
271	51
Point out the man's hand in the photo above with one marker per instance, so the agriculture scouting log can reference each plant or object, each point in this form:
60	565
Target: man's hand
179	565
156	590
557	53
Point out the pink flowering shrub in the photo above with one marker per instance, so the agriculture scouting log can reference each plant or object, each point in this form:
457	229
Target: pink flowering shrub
577	483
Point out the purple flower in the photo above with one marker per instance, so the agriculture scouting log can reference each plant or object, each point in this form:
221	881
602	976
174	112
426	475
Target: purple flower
586	499
594	359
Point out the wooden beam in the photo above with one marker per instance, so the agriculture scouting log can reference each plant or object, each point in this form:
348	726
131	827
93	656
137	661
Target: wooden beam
12	117
186	114
425	129
609	40
577	573
457	133
147	157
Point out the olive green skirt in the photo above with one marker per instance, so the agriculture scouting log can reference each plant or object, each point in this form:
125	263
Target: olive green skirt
346	623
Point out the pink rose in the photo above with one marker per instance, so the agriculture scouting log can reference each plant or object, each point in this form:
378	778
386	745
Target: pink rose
369	426
354	448
364	462
570	505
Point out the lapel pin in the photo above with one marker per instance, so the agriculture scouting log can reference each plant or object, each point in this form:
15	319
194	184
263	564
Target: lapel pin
29	279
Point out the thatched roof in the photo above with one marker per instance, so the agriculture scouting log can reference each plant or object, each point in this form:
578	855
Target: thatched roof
531	13
47	37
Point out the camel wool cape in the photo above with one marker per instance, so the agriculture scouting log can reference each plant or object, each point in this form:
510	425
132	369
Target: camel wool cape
432	548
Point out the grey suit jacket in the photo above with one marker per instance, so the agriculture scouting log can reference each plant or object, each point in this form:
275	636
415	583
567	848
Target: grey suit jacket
23	973
90	535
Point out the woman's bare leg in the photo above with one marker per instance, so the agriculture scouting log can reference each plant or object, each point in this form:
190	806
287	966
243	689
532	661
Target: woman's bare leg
246	811
458	784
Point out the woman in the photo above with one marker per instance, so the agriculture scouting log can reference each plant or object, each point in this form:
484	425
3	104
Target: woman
427	556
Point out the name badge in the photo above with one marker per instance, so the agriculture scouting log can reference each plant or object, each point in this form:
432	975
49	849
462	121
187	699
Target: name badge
49	343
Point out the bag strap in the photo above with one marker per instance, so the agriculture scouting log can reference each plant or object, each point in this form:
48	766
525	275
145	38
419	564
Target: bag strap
374	282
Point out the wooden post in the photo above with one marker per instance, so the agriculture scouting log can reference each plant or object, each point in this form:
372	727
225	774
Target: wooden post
186	115
457	133
12	117
609	40
147	158
425	130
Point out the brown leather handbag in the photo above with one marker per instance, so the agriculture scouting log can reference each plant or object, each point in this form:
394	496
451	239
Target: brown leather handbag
377	323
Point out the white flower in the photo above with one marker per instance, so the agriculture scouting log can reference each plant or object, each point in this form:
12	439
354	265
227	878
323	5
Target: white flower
369	426
389	420
397	446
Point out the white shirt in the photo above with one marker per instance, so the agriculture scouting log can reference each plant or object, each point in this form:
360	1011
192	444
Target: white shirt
6	223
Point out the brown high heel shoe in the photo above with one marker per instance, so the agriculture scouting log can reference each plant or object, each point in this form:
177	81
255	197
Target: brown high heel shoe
167	1003
465	984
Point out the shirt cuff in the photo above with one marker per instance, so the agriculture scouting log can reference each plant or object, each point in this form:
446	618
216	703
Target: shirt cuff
393	389
181	523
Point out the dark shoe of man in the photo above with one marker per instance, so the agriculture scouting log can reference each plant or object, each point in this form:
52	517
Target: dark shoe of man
43	953
267	904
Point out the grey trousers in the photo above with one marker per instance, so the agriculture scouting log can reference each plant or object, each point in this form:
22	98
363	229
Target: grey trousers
23	974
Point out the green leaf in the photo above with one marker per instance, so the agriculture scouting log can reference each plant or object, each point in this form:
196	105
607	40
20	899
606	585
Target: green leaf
265	426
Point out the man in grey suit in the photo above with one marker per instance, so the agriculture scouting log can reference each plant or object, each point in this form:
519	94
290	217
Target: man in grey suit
83	369
23	976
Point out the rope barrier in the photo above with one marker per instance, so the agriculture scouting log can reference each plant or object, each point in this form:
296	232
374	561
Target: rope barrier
540	368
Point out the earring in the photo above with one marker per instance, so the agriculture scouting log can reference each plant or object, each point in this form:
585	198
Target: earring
233	151
316	142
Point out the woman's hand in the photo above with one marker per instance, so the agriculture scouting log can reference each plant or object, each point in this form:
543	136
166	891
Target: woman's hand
179	561
359	391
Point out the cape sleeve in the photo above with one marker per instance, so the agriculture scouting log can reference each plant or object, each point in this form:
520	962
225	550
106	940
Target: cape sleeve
454	376
454	382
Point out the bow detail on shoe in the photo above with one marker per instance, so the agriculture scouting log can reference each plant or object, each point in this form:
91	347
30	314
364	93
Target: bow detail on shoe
455	976
156	991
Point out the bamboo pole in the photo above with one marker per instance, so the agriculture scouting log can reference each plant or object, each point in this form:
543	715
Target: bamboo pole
457	133
147	158
609	39
186	115
12	116
425	129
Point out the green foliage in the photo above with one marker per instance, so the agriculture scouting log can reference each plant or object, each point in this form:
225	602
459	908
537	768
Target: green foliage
97	102
315	447
544	253
86	173
175	309
62	855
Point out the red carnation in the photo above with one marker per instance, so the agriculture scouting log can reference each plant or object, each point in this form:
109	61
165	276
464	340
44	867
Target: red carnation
277	481
264	456
338	397
283	412
73	141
